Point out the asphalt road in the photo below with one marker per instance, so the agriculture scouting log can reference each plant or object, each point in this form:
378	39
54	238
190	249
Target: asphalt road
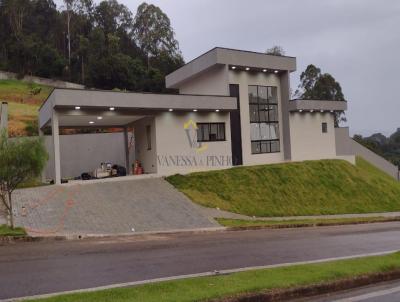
38	268
384	292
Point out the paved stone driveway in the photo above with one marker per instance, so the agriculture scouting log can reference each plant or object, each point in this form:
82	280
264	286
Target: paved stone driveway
107	208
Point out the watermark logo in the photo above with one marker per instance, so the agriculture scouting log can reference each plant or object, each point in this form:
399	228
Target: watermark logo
191	128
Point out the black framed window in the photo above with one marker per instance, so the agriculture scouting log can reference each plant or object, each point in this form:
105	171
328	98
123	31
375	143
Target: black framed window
264	119
210	132
324	128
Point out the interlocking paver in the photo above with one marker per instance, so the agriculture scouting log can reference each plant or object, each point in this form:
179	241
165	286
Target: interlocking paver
107	208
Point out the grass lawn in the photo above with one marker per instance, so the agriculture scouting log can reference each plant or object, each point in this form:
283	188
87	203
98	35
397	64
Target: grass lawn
23	103
206	288
293	189
7	231
301	222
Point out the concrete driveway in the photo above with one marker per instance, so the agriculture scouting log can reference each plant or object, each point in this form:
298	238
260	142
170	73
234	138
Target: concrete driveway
116	207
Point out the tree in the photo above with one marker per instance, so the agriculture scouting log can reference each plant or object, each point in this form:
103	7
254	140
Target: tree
315	85
275	51
153	32
20	160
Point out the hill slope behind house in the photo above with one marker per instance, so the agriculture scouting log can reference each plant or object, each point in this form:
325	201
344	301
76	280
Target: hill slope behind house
24	100
301	188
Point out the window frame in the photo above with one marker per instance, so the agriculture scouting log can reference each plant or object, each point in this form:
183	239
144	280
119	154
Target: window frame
203	139
271	104
148	137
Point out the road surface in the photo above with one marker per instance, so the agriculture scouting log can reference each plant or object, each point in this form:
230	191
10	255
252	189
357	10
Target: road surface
47	267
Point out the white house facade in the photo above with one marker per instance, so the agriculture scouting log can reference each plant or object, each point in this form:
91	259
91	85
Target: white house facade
233	108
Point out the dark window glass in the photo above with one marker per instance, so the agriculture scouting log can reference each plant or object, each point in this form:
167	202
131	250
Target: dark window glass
210	132
324	127
264	119
148	137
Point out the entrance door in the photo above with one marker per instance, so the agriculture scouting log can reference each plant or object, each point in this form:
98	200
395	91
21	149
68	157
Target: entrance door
236	129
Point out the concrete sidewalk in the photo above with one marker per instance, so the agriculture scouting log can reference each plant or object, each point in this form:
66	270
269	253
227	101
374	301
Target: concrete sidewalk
217	213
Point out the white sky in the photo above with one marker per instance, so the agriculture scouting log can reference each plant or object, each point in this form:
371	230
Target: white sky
357	41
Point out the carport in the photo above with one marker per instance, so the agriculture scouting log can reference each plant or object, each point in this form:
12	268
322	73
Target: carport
85	109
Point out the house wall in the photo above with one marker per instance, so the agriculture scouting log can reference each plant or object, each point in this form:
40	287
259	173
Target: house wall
306	137
85	152
147	157
174	151
244	79
212	82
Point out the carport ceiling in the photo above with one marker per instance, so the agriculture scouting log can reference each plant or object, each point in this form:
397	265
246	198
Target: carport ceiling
97	120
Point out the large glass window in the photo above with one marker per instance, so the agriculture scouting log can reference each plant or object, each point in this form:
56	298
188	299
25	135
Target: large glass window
264	119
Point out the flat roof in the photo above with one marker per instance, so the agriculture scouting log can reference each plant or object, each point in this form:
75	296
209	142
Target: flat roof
228	56
317	105
128	105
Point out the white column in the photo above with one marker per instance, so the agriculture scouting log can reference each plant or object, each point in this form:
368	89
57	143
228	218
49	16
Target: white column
43	176
126	144
56	145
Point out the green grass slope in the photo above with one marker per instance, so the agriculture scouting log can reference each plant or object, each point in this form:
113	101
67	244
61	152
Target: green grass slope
293	189
24	100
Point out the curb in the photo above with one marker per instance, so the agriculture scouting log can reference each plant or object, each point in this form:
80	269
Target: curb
316	289
16	239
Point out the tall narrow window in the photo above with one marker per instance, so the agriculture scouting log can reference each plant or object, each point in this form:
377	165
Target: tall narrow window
264	119
148	137
324	128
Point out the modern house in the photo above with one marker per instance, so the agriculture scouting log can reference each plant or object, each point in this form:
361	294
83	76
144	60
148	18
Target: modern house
233	108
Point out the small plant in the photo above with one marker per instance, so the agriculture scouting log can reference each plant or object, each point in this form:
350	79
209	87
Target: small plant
20	160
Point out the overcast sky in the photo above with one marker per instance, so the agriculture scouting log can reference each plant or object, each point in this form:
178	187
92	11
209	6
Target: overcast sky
357	41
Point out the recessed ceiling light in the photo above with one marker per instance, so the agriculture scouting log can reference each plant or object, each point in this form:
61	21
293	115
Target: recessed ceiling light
247	68
99	117
301	110
91	122
264	70
322	110
216	110
311	110
233	67
170	109
331	111
77	107
112	108
276	71
195	110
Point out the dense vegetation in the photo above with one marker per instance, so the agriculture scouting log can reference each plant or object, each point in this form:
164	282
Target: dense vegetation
24	100
100	45
387	147
298	188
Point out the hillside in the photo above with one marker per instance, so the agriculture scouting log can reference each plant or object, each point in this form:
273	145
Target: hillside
302	188
24	100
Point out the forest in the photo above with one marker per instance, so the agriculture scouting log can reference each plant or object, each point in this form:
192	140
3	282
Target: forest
103	46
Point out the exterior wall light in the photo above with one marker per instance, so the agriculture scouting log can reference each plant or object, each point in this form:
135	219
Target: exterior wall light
301	110
216	110
77	108
331	111
311	110
99	117
276	71
112	108
247	68
91	122
233	67
264	70
194	110
322	111
170	110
